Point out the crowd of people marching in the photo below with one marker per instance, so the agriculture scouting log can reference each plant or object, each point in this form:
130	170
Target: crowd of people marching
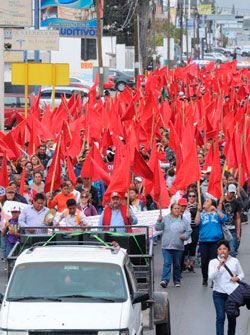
180	139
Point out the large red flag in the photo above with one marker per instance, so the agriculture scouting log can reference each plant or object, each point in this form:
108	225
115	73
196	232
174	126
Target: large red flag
22	183
70	170
141	168
214	185
189	171
120	180
4	179
53	179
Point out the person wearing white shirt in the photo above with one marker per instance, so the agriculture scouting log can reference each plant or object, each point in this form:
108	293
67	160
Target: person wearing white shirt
224	284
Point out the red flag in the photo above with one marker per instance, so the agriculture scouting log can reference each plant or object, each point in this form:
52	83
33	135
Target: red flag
141	168
120	180
189	171
70	170
22	183
12	144
214	185
53	179
209	158
4	179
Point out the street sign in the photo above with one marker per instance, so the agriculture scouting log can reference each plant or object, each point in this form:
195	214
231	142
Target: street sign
16	13
13	56
78	32
26	39
39	74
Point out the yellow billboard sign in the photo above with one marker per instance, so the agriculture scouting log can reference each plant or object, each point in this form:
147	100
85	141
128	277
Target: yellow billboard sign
40	74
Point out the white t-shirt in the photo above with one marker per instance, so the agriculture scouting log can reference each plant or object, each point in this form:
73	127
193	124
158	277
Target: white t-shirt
221	278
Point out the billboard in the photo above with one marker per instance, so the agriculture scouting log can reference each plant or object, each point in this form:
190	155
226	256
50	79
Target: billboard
25	39
78	17
16	13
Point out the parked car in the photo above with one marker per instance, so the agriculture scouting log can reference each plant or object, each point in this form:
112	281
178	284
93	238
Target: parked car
218	57
245	52
121	79
67	91
14	104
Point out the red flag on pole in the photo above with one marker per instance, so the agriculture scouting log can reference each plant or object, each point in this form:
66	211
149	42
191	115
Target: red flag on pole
214	185
4	179
22	183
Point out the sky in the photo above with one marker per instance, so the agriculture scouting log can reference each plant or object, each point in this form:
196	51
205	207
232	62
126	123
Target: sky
244	4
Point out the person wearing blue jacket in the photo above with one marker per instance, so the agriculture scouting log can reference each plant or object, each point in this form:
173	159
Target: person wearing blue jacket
210	221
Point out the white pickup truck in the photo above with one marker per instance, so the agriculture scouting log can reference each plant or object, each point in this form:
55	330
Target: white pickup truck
57	289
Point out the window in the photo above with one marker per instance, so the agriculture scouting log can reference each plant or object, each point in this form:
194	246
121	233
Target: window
46	94
91	281
88	49
22	102
10	102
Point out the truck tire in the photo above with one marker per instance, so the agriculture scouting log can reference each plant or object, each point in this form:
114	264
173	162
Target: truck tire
162	313
163	329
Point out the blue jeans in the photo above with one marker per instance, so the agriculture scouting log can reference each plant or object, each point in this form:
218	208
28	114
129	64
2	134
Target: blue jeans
172	256
219	303
233	244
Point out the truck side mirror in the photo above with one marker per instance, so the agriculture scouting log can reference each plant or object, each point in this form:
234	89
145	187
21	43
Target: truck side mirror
1	298
140	297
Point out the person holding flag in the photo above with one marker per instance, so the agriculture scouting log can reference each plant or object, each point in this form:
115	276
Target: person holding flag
117	215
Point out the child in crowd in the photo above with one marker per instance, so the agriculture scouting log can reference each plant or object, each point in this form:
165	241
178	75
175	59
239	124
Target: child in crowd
11	231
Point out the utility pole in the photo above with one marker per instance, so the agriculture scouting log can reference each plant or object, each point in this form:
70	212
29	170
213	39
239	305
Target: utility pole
136	42
186	22
154	37
181	28
198	34
36	26
168	37
99	45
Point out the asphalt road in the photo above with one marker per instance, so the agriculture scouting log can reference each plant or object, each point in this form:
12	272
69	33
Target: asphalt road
191	306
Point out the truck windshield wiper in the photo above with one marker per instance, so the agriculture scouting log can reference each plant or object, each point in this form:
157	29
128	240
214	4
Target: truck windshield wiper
87	297
33	298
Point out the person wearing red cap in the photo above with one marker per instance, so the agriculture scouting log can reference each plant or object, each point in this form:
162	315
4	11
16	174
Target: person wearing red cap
117	215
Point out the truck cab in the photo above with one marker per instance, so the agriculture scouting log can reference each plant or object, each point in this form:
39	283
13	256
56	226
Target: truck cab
82	288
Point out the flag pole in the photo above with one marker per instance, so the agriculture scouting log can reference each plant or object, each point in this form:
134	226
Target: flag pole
199	192
56	162
160	204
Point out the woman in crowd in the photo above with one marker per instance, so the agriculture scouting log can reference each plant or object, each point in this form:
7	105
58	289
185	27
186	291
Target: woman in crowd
190	249
85	205
20	164
209	221
224	285
36	163
135	203
176	230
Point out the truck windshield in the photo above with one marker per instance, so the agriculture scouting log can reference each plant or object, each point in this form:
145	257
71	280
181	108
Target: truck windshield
67	281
